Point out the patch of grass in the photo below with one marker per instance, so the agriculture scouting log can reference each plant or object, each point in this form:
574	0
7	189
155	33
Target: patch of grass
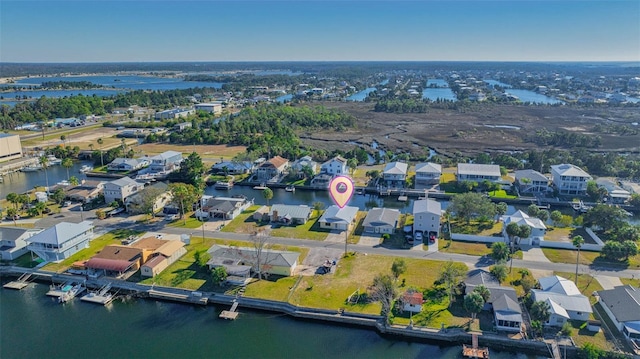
490	228
558	234
274	290
630	281
470	248
582	336
354	237
586	283
500	194
587	258
191	223
244	222
310	230
25	261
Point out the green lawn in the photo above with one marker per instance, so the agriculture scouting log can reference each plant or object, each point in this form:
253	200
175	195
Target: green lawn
487	228
310	230
25	261
244	222
191	223
588	258
630	281
500	194
95	246
470	248
582	336
273	290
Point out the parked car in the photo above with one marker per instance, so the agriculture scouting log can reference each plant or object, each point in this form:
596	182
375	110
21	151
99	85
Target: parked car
418	236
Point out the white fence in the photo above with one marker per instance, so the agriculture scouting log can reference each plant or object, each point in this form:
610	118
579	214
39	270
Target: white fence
568	245
472	238
594	236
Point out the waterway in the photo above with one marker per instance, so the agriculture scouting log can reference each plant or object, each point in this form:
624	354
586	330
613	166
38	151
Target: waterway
533	97
20	182
360	96
438	89
33	325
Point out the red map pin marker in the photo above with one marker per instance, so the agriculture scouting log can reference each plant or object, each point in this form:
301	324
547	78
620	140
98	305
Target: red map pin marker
341	190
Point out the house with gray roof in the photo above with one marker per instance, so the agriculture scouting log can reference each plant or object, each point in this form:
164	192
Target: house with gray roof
427	174
615	193
570	179
13	242
381	220
622	305
166	161
61	241
337	218
502	300
136	202
289	214
426	220
120	189
538	229
478	172
239	260
232	167
300	164
223	207
507	314
127	164
394	174
531	182
564	298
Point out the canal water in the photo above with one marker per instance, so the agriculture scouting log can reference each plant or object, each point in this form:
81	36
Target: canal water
33	325
20	182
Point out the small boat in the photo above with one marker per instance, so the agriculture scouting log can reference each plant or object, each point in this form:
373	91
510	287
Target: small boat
86	168
53	160
290	188
31	168
63	183
71	293
261	187
223	185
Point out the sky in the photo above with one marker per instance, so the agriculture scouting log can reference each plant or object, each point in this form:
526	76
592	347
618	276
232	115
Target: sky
305	30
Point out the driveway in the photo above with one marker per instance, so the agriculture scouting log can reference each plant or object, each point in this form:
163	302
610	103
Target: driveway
316	258
534	254
335	236
369	239
608	282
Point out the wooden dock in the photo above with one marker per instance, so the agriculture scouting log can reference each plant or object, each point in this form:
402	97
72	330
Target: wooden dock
102	296
474	351
192	298
20	283
230	314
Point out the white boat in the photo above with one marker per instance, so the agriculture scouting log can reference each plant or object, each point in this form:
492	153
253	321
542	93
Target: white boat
223	185
86	168
71	293
63	183
290	188
31	168
261	187
53	160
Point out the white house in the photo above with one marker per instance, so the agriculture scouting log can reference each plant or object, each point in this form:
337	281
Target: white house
135	203
338	218
61	241
274	167
478	172
166	161
615	193
306	161
335	166
538	229
381	220
13	242
412	301
395	174
622	305
427	174
426	220
570	179
120	189
211	107
174	113
236	260
564	298
531	182
127	164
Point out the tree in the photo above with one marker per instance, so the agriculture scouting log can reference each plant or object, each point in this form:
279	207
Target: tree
524	231
473	303
577	242
501	209
536	326
267	193
201	257
467	205
40	208
383	290
318	206
67	163
145	201
540	311
13	198
74	181
499	271
556	217
532	210
543	215
499	252
191	171
63	138
12	213
218	275
483	291
398	267
605	216
100	142
630	249
58	196
44	161
513	230
352	163
260	241
183	194
450	274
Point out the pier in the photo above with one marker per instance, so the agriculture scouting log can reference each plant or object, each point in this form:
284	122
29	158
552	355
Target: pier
194	297
230	314
101	296
19	283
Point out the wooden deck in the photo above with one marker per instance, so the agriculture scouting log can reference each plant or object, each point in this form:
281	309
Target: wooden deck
470	352
230	314
19	283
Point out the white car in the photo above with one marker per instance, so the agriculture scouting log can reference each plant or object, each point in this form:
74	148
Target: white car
418	236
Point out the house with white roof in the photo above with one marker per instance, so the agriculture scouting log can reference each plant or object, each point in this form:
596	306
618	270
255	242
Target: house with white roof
394	174
381	220
564	299
211	107
166	162
615	193
531	182
61	241
570	179
337	218
538	229
478	172
427	174
120	189
335	166
300	164
13	241
127	164
622	306
232	167
426	220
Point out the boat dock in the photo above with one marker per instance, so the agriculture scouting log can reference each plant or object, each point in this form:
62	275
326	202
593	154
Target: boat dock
59	290
194	297
474	351
19	283
230	314
101	296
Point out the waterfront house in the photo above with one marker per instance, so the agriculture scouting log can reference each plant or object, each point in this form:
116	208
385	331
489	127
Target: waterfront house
299	165
61	240
232	167
223	207
538	229
394	174
381	220
237	259
272	169
615	193
530	182
211	107
261	214
289	214
182	126
337	218
165	162
570	179
10	147
478	172
564	298
335	166
138	202
503	301
412	301
115	261
162	253
120	189
85	192
427	174
426	220
127	164
622	306
13	241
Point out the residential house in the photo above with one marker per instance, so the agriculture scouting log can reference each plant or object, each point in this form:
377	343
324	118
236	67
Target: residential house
427	174
570	179
115	261
395	174
272	168
85	192
174	113
139	202
538	229
165	162
531	182
615	193
127	164
261	214
61	240
564	298
211	107
412	301
503	301
321	180
289	214
381	220
163	253
182	126
232	167
299	165
337	218
13	241
120	189
237	259
335	166
478	172
426	220
223	207
622	306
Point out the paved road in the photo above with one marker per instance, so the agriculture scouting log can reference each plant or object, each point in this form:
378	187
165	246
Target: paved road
471	261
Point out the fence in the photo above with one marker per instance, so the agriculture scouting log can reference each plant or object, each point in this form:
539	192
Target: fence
472	238
568	245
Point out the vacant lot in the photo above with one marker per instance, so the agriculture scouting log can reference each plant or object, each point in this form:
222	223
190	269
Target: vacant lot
208	153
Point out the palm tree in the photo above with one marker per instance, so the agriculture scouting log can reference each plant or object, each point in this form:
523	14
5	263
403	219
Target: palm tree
577	241
44	161
100	142
67	163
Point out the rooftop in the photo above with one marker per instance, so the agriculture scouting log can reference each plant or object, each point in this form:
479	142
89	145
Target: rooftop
478	169
428	206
